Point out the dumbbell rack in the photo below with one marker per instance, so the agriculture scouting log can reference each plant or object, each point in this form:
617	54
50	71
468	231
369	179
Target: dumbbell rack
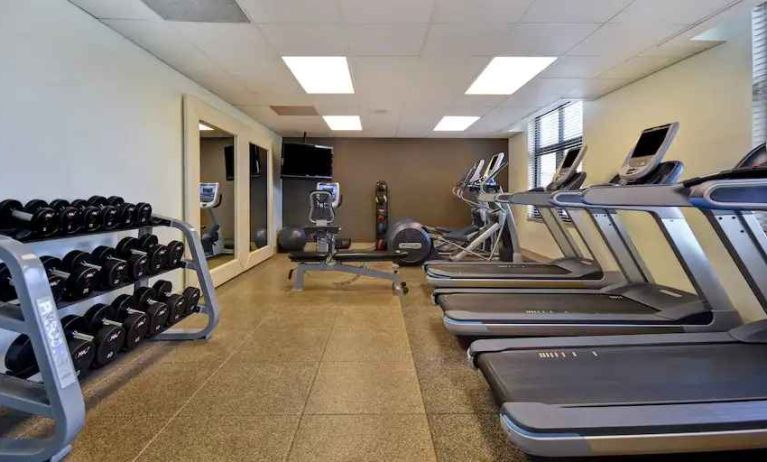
59	396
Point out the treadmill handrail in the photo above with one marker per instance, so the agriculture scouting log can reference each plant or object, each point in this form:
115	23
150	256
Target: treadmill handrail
638	197
647	197
703	195
535	198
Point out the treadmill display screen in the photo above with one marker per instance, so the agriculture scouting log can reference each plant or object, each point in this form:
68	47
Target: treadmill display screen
650	142
570	158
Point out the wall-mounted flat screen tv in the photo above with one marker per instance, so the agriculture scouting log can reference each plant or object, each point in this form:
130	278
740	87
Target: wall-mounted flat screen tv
302	160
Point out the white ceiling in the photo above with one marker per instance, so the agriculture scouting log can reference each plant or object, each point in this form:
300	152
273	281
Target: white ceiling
412	60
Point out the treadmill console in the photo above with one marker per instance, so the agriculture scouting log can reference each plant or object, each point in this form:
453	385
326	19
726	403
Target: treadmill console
648	152
209	195
335	192
568	168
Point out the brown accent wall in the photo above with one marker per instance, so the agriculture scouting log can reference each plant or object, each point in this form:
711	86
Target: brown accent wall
420	173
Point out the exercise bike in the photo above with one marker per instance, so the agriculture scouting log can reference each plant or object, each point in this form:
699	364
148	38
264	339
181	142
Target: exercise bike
211	238
328	257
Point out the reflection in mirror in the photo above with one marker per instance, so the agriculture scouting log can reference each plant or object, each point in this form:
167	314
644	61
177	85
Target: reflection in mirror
217	193
259	225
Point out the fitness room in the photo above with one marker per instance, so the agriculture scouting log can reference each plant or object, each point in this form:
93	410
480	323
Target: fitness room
383	230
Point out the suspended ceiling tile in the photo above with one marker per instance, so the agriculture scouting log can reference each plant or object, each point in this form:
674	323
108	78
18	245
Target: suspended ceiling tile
569	11
291	11
386	12
306	40
479	11
672	11
386	39
117	9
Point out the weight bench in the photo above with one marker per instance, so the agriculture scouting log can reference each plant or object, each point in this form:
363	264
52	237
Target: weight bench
328	258
343	262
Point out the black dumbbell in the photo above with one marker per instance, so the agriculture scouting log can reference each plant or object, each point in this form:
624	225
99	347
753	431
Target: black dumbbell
8	291
192	297
107	214
141	212
78	282
92	217
156	313
176	303
174	250
125	212
157	255
71	217
21	362
36	217
137	264
135	323
108	339
111	274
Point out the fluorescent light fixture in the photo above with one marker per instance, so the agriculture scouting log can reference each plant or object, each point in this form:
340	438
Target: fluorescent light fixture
505	75
343	122
204	128
321	74
455	123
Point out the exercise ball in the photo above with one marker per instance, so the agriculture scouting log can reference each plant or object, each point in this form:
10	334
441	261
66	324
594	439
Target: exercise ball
261	238
291	239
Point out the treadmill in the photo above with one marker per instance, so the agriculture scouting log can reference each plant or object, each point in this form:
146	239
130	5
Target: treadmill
648	394
638	306
574	270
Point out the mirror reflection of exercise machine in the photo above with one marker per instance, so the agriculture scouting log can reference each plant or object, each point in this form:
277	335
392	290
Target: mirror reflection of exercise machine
212	236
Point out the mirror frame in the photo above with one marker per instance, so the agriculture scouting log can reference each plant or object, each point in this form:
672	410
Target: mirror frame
195	111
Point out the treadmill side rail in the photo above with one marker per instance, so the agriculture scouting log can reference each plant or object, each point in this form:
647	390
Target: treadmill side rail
479	347
552	431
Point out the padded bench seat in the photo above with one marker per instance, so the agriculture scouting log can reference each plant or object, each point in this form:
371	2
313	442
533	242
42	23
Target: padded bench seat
349	257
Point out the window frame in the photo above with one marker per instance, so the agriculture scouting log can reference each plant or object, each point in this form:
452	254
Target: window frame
537	152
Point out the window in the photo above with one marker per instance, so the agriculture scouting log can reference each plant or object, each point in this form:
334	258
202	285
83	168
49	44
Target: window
759	86
549	136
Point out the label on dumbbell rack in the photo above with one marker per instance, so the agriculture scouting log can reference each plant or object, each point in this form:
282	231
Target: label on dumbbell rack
57	343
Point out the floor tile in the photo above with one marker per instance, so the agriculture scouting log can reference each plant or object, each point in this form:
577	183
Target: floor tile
114	437
246	388
471	438
367	345
454	387
385	438
365	388
367	317
430	341
266	344
223	439
212	352
153	389
304	316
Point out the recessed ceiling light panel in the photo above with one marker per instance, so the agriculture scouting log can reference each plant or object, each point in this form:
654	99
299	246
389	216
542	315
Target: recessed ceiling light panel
343	122
321	74
455	123
505	75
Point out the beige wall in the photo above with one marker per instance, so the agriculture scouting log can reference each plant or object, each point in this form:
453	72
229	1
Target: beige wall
420	174
710	95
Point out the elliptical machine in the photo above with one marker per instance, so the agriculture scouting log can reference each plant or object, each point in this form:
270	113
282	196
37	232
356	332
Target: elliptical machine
211	238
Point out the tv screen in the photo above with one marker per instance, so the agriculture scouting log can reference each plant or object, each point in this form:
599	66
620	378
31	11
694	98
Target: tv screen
255	162
300	160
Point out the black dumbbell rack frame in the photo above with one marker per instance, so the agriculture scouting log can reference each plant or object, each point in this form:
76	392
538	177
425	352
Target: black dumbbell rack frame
59	396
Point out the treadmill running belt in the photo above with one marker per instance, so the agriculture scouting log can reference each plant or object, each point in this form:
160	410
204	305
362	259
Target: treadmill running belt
490	271
478	304
628	375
